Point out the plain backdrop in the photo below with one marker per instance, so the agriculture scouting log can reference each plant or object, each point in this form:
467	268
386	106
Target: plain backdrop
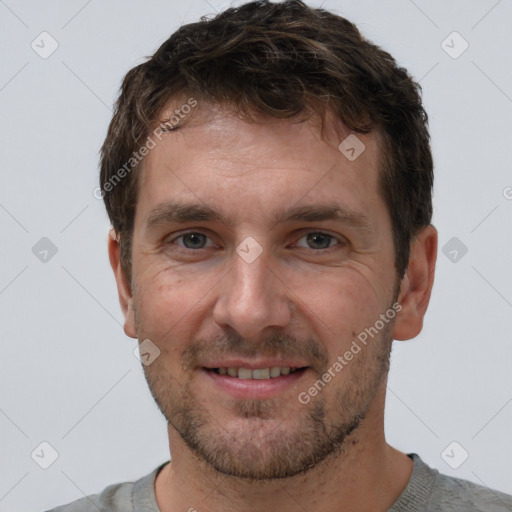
69	376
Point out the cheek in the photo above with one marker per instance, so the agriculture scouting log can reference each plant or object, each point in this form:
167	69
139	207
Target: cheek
169	301
338	304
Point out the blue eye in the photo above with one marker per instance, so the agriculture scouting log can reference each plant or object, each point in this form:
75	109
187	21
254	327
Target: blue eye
314	240
193	240
318	240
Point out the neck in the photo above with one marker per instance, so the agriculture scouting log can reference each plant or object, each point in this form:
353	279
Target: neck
367	475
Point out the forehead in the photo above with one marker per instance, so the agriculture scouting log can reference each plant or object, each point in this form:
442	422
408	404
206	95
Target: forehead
212	149
224	120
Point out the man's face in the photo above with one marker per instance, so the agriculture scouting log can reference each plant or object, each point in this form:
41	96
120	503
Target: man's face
256	287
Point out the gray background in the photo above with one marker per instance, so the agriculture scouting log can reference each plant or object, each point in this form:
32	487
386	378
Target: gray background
69	376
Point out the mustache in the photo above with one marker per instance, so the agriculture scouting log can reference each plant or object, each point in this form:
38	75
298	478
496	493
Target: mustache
272	345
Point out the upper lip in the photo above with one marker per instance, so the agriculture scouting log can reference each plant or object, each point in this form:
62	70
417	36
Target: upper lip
253	365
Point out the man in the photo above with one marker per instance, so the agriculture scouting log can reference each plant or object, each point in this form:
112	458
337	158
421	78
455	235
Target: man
268	176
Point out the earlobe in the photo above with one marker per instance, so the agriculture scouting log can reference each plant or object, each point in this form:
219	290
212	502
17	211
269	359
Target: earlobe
123	286
416	285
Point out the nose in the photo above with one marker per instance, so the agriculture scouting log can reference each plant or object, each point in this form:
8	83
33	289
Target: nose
252	298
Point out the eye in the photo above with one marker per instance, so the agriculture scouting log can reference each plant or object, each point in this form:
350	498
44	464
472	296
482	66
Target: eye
192	240
318	240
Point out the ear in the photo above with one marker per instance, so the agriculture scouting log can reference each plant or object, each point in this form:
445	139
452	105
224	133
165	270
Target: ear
416	285
123	286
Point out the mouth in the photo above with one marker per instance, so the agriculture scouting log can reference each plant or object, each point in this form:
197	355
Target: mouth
255	383
271	372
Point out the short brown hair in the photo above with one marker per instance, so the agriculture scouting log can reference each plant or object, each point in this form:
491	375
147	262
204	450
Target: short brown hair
280	59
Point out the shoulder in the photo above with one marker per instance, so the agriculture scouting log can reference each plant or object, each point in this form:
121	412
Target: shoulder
114	498
431	491
454	494
119	497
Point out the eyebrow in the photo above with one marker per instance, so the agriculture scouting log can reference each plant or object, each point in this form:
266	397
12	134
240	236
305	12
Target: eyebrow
168	213
176	212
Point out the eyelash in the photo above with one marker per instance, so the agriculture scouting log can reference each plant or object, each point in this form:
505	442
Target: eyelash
341	242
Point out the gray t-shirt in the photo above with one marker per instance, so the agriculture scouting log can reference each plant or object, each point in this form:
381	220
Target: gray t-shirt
427	491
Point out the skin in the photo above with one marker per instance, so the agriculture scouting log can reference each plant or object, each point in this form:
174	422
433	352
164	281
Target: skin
303	297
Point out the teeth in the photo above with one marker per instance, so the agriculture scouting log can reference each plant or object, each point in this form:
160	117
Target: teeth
258	373
275	371
263	373
244	373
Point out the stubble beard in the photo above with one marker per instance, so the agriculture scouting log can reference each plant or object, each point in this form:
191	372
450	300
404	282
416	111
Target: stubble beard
258	446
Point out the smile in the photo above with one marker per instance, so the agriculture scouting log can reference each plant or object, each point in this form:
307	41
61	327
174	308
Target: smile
254	383
256	373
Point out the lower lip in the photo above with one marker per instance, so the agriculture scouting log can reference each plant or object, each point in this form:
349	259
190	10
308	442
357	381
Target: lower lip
254	388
